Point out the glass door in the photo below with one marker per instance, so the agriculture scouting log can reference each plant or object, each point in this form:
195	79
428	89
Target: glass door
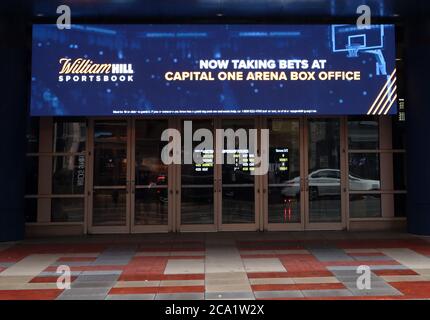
129	181
198	192
236	184
149	179
323	177
283	201
111	168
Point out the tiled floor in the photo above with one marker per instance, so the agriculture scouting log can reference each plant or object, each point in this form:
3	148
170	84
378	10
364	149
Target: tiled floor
288	265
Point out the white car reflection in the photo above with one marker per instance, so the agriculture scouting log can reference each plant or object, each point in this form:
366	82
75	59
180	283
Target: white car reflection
326	182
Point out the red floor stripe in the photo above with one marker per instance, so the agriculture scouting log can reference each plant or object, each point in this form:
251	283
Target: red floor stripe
48	279
88	268
269	255
292	274
260	255
151	277
143	290
12	257
302	262
167	249
420	289
358	263
273	247
403	272
346	298
180	289
186	257
48	294
143	266
76	259
422	250
197	276
304	286
133	290
387	243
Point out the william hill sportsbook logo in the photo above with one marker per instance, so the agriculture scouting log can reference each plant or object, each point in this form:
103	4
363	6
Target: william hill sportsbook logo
86	70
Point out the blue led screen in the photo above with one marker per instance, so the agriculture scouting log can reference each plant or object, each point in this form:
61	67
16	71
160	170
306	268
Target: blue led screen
105	70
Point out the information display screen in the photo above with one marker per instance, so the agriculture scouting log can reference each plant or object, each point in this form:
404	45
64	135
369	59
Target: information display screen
138	70
281	160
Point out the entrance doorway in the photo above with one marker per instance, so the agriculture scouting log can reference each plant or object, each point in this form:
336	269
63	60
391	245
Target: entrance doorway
215	197
132	191
305	186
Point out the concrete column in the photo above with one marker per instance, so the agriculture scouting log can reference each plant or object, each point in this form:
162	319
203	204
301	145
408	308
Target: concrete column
14	101
417	65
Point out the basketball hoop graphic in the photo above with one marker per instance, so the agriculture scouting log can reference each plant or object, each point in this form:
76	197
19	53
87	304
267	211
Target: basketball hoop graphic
353	50
352	40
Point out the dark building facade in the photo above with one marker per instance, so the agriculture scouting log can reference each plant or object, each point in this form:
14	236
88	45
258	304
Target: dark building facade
104	174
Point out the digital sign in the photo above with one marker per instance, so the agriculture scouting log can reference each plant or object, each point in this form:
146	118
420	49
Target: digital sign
243	160
282	159
186	70
207	160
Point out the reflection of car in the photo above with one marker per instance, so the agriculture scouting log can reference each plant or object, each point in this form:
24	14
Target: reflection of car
359	184
326	182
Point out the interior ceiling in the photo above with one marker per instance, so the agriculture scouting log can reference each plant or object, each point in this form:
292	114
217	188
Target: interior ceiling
105	9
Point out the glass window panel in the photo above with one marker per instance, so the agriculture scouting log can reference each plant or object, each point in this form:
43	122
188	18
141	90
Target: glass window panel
284	171
284	136
68	174
284	204
364	172
109	207
110	153
239	171
197	196
400	207
238	204
31	175
237	181
67	209
197	205
363	133
33	135
399	171
194	174
30	207
365	205
151	206
324	170
69	136
150	170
